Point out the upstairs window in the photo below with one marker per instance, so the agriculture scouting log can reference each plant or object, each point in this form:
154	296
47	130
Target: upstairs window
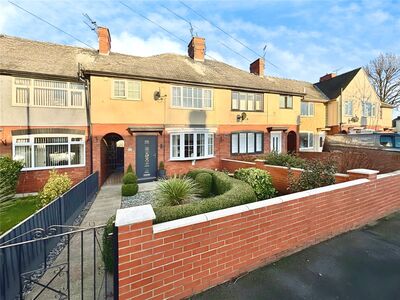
368	109
307	109
191	97
286	101
126	89
48	93
247	101
247	142
348	108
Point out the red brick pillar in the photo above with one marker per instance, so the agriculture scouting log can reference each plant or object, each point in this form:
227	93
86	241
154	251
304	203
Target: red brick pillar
135	233
362	173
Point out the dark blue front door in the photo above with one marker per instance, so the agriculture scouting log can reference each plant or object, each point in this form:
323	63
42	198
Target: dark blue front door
146	157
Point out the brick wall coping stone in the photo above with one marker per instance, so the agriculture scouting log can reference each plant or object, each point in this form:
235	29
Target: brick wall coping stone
386	175
363	171
135	214
243	162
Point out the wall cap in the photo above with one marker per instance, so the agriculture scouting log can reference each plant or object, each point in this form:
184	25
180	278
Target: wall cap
363	171
238	161
135	214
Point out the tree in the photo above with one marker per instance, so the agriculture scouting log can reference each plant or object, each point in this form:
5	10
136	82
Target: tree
384	73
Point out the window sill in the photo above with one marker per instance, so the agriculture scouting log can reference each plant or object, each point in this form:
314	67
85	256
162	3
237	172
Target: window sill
247	111
125	99
55	167
285	107
191	108
191	158
311	116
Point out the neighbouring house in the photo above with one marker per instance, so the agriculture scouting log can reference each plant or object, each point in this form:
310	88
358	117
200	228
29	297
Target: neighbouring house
185	111
353	103
396	124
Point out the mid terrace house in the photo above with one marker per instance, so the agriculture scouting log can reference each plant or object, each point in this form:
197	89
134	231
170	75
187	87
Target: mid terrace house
80	111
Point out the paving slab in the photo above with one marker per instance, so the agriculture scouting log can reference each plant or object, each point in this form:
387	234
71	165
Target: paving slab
361	264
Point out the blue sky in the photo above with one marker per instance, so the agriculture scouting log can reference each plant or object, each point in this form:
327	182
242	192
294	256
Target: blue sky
305	39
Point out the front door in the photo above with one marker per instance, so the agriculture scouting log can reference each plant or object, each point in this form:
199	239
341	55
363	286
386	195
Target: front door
146	157
276	142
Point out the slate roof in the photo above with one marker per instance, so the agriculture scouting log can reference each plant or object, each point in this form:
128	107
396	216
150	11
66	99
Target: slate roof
332	87
26	56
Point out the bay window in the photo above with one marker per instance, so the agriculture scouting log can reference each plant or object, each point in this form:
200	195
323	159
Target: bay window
191	97
306	140
49	151
191	145
247	142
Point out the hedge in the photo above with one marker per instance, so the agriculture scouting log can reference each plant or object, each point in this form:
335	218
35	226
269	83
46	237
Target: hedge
108	247
230	192
204	181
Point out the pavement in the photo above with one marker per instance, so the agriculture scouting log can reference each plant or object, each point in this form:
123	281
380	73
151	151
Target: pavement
361	264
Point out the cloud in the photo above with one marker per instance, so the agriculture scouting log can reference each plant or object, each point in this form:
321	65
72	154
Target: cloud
379	16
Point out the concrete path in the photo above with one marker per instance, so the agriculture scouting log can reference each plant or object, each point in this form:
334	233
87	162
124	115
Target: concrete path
362	264
104	206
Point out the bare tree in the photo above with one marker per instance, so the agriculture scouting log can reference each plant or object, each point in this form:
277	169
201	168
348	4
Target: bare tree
384	73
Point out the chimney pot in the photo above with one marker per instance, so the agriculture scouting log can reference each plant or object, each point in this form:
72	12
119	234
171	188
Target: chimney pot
104	37
196	48
257	67
327	77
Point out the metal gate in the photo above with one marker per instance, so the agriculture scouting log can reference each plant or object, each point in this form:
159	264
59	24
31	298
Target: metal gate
59	262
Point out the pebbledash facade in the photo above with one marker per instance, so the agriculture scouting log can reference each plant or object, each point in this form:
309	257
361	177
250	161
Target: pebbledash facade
81	111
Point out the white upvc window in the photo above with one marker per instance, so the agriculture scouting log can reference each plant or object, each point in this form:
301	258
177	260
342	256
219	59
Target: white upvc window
126	89
48	151
286	101
247	142
192	97
307	109
191	145
306	140
243	101
368	109
348	108
48	93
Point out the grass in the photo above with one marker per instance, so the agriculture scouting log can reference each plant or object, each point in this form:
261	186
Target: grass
14	211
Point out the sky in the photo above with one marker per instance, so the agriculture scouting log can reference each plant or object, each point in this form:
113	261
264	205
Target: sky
304	39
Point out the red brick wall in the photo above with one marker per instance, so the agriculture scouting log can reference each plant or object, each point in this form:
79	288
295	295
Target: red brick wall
279	174
181	261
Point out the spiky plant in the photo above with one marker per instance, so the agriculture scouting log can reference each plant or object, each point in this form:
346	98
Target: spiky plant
177	191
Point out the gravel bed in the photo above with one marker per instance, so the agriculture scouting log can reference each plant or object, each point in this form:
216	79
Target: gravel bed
140	198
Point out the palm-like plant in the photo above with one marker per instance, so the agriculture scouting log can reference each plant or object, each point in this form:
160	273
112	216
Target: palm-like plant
177	191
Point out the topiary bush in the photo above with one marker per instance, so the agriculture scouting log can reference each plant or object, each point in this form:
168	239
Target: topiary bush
259	180
316	174
9	174
130	169
229	192
56	185
108	245
176	191
129	178
129	189
283	159
204	181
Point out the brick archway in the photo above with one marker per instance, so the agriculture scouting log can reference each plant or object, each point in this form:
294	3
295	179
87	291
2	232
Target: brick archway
112	156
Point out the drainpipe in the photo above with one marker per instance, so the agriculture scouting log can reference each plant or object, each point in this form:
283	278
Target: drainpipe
341	110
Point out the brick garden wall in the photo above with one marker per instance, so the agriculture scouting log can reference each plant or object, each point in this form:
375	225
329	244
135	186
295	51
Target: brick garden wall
280	175
177	259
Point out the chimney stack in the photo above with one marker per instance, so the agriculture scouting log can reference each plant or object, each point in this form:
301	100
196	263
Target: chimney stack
196	48
327	77
104	40
257	67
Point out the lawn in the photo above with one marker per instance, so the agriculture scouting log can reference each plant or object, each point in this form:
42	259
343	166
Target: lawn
14	211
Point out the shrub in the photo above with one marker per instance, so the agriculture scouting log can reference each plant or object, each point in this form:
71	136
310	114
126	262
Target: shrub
129	189
259	180
9	173
230	192
161	166
56	185
204	181
177	191
316	174
108	245
130	169
129	178
283	159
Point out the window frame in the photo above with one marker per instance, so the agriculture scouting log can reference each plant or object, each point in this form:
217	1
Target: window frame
203	100
309	133
31	93
255	100
309	105
346	106
31	143
126	97
286	101
181	147
259	133
368	109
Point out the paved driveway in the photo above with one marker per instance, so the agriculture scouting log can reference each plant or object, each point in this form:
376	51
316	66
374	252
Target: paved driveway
362	264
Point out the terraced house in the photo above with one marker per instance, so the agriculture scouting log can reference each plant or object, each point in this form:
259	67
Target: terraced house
81	110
